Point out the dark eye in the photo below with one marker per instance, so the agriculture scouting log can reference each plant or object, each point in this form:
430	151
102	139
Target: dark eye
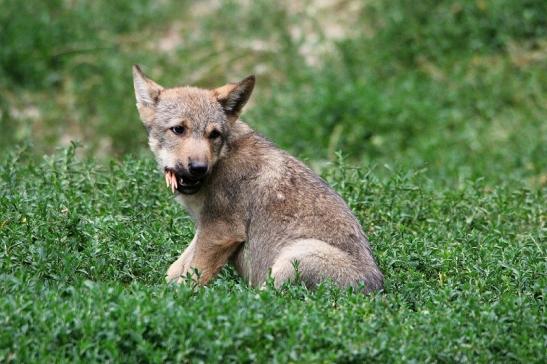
214	134
178	130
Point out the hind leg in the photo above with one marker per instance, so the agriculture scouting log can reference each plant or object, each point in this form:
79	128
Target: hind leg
318	261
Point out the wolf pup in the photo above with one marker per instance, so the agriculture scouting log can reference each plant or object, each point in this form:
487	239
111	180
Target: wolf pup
253	204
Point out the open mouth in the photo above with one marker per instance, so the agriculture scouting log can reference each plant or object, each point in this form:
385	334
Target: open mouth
185	185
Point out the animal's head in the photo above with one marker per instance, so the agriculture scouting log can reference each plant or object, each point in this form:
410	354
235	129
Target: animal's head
188	127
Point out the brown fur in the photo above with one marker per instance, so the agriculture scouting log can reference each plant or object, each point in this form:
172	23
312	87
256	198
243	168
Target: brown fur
258	207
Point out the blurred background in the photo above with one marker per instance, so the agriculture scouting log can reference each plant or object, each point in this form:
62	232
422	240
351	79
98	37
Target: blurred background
455	87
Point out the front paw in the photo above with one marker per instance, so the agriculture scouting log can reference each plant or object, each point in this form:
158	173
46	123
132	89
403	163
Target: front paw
179	275
174	272
177	270
180	267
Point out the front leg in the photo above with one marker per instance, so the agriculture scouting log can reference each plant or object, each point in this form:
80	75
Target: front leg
212	247
180	267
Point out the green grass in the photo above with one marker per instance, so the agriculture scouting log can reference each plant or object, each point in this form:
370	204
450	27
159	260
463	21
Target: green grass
85	248
438	107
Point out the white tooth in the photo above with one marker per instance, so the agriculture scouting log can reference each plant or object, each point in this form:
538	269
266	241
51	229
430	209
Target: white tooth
166	179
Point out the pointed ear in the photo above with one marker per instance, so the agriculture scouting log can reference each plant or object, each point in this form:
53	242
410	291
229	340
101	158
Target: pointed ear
146	93
234	96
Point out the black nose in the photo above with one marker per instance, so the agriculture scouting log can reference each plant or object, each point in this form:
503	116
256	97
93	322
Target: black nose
197	169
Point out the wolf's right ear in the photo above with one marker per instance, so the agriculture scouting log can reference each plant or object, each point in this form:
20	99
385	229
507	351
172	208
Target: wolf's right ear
147	93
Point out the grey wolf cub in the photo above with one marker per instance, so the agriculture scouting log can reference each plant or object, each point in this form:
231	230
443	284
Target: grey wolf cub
253	204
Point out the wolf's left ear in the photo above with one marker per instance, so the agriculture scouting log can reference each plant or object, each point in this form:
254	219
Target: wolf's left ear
233	96
147	93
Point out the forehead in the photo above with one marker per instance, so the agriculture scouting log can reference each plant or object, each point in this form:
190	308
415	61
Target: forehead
188	103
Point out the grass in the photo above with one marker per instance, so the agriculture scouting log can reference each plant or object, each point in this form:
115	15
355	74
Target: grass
438	108
85	248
